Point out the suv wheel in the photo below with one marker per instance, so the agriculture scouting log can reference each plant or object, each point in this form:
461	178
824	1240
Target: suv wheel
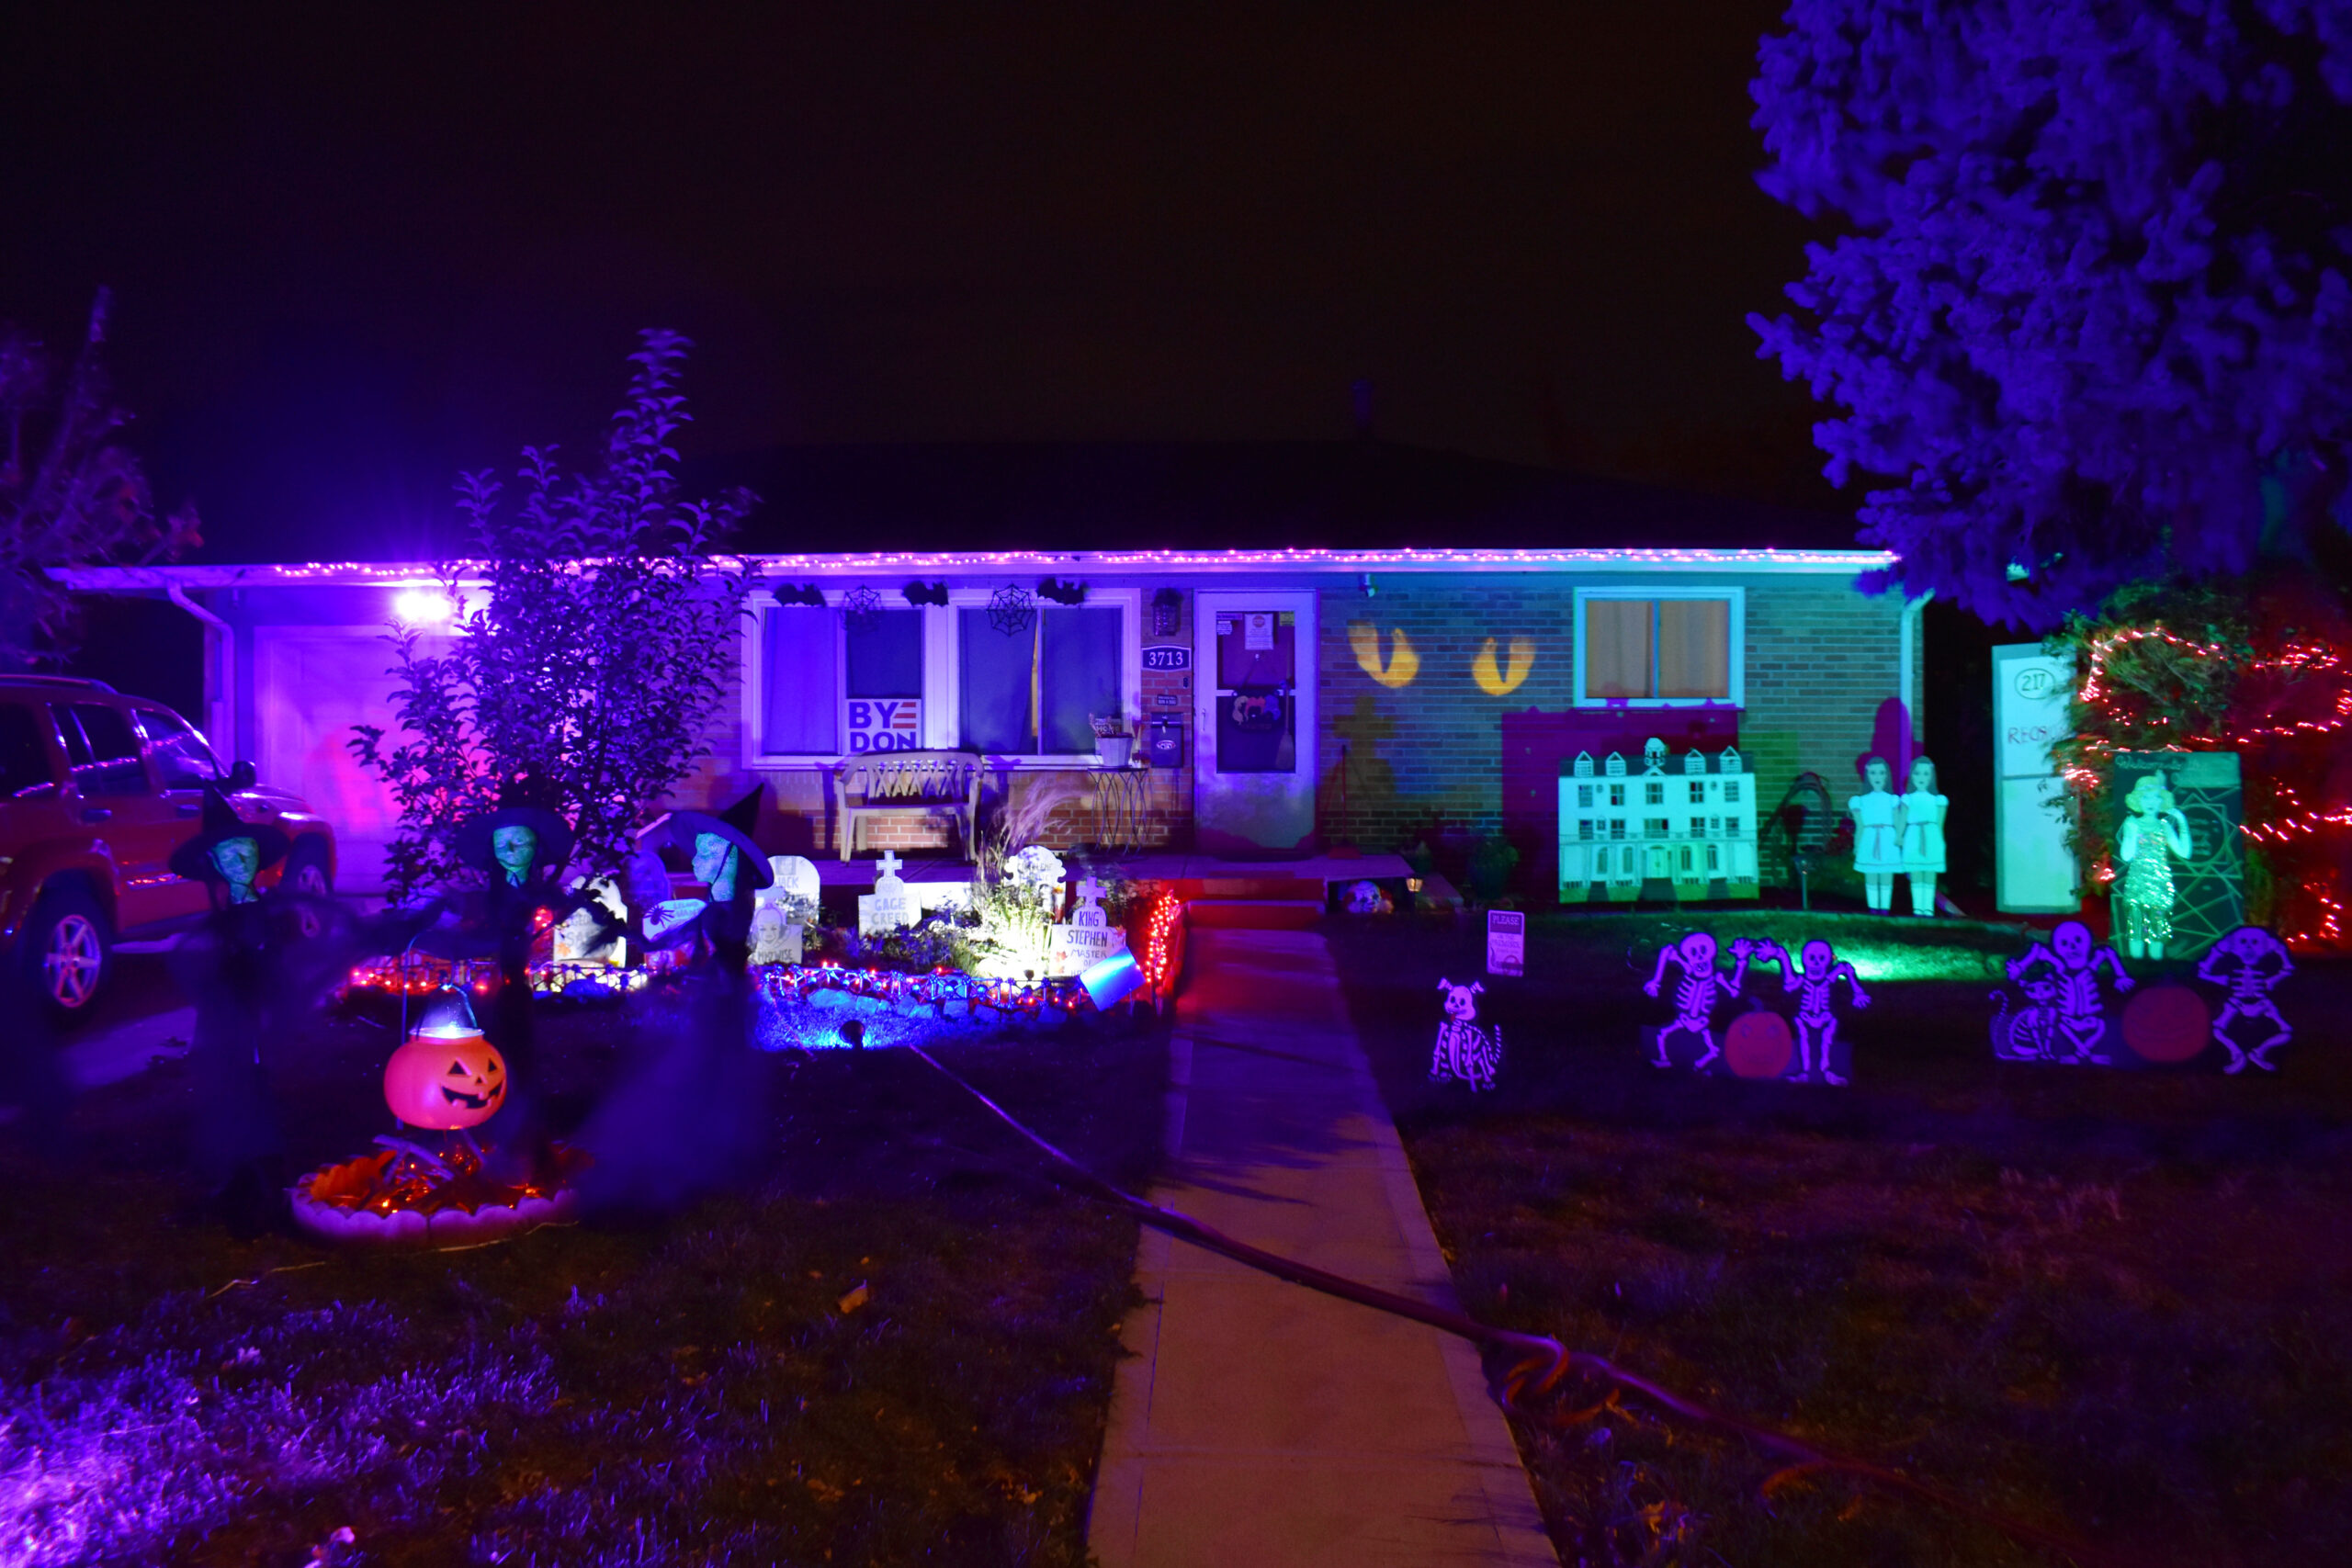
66	947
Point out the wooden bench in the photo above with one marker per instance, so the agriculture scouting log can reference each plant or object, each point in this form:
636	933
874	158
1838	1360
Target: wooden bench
906	783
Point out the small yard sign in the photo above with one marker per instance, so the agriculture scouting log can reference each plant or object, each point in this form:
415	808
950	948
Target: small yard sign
883	724
1506	941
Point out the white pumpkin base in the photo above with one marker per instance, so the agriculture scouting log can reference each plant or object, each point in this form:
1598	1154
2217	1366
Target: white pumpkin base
332	1206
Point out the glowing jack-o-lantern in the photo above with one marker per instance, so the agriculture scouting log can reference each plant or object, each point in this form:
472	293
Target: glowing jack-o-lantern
445	1076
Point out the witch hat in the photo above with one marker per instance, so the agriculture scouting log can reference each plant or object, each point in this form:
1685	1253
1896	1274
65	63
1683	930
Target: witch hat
514	809
734	825
193	859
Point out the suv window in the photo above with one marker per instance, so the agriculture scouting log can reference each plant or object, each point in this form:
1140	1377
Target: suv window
182	760
106	753
24	759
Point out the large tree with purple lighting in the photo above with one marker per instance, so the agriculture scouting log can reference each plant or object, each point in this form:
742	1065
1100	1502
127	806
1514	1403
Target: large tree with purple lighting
597	634
2089	310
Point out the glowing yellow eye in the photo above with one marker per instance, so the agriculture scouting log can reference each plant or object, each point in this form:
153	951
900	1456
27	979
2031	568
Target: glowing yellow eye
1494	681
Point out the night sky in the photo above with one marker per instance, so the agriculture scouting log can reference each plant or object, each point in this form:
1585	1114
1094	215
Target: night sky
349	263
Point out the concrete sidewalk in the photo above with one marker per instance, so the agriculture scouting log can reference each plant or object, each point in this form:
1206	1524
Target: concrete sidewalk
1266	1424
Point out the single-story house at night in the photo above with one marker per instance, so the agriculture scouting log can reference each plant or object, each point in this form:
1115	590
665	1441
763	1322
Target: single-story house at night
1317	643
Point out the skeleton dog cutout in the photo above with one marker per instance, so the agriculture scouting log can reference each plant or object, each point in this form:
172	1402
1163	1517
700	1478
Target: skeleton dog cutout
1696	994
1464	1051
2249	963
2071	961
1814	977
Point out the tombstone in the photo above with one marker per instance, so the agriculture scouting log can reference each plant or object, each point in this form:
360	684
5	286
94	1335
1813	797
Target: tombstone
891	906
774	939
1088	939
796	877
581	937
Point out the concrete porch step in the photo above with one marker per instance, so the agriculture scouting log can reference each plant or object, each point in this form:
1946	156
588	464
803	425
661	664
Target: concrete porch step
1255	914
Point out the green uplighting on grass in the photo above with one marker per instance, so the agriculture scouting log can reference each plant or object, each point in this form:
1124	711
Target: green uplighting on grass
1903	961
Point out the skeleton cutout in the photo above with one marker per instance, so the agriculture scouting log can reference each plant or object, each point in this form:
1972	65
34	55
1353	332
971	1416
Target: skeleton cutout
2076	1022
1696	994
2249	963
1812	977
1464	1051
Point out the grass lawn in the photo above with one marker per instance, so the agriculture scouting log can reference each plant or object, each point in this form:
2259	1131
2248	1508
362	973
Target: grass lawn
706	1389
2116	1304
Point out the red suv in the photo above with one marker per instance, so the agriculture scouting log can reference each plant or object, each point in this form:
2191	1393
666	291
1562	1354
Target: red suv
96	790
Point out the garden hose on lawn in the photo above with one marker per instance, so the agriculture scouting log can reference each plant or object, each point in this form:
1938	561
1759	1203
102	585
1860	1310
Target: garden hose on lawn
1540	1364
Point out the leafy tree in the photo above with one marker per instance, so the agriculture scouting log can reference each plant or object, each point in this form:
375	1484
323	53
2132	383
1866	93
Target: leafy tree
597	634
71	492
2090	307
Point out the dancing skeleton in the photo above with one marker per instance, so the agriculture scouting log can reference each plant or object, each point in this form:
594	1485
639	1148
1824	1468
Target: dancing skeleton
2249	980
1696	993
1814	977
2073	963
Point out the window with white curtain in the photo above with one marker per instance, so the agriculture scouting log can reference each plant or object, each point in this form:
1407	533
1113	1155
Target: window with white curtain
1658	646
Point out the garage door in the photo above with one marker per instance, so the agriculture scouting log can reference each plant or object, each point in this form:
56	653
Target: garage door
310	685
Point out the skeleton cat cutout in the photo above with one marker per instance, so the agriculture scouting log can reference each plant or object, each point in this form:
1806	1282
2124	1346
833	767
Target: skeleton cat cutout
2249	963
1466	1051
2067	1021
1696	994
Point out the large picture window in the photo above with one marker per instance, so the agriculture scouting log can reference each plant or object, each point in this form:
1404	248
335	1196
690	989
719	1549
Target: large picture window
822	685
1658	646
1033	693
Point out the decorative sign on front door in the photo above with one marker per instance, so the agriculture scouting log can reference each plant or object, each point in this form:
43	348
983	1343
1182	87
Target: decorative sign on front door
883	724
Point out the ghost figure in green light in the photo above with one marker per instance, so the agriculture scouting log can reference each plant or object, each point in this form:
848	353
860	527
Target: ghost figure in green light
2153	836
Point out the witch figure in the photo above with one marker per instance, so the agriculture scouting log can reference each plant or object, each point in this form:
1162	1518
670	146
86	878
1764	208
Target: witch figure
519	847
690	1119
239	965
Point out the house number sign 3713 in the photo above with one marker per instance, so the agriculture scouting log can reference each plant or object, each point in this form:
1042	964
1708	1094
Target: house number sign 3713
1178	657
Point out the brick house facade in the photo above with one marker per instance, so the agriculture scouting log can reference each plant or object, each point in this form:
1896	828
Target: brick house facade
1446	685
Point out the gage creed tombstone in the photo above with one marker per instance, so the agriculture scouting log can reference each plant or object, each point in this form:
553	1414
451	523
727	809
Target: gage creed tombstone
891	906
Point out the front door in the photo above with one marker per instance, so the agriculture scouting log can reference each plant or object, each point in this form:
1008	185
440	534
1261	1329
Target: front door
1253	696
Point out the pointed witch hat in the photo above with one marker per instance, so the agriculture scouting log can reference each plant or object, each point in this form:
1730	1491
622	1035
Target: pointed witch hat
516	809
735	825
193	859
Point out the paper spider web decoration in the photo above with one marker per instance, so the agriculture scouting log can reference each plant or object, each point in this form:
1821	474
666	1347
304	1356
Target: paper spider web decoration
862	604
1010	609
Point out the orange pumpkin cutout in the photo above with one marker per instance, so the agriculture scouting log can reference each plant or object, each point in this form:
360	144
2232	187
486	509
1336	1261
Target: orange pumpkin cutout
445	1076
